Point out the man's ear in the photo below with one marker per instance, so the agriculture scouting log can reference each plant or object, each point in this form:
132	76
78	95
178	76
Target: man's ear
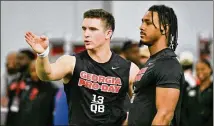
109	33
164	32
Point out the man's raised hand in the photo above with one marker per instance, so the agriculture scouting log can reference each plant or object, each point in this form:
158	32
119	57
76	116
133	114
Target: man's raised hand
38	43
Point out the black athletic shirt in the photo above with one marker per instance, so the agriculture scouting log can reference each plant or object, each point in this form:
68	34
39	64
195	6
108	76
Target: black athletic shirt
97	91
37	105
161	70
198	107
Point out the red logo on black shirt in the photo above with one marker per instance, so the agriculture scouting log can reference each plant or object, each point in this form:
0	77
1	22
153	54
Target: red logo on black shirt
92	81
33	93
140	74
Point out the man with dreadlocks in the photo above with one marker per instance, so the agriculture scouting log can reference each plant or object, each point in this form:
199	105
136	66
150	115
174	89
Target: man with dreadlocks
158	86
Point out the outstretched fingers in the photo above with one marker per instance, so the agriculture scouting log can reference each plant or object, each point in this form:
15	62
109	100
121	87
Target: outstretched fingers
29	39
31	34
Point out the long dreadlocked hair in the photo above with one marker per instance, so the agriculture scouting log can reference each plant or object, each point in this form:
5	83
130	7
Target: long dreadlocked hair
167	17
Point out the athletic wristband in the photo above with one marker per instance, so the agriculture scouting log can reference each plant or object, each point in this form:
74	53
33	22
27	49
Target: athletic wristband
44	54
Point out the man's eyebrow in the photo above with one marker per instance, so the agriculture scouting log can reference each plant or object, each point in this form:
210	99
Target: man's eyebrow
145	20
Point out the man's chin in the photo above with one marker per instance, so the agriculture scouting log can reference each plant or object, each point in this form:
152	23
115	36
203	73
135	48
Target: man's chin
88	47
145	43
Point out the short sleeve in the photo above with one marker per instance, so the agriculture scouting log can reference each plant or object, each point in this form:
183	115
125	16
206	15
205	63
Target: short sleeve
168	73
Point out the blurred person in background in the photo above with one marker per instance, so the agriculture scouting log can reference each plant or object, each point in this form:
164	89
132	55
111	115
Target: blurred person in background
144	55
8	76
186	60
17	87
198	101
6	79
130	51
37	103
24	59
116	49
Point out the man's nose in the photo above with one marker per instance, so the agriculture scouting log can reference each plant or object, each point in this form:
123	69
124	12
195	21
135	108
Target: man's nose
86	33
142	27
